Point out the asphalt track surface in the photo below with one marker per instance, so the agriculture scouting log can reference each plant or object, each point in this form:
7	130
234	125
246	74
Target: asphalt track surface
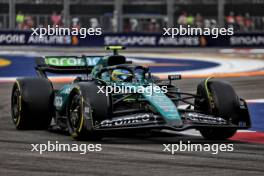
127	156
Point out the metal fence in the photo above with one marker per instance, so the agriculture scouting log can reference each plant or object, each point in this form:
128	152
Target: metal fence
119	20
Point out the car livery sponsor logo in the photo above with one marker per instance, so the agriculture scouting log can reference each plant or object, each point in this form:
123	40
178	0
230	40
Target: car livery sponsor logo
197	117
127	120
58	101
64	61
72	61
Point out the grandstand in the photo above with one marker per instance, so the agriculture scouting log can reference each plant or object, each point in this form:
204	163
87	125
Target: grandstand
132	16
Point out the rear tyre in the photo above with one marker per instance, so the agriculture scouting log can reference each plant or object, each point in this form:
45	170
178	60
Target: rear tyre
222	102
31	103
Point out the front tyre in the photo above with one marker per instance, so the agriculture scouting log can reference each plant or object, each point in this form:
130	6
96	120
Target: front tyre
76	122
217	134
219	99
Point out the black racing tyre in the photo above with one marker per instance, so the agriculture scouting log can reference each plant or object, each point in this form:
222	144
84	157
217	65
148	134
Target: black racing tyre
31	103
100	102
217	134
80	123
223	103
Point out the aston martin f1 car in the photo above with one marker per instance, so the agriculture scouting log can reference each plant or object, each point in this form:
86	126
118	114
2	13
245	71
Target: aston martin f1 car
97	101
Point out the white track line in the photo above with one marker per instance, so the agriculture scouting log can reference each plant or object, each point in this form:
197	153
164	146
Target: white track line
242	51
255	101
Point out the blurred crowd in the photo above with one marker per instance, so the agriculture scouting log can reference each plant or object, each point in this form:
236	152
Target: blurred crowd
198	20
184	19
25	22
238	21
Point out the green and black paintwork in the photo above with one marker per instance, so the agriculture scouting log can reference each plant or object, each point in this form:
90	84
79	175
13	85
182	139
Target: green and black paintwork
80	106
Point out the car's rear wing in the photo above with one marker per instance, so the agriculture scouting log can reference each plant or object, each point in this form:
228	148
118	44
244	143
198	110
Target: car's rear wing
65	64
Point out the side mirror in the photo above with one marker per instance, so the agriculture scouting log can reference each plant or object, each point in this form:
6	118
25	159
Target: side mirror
174	77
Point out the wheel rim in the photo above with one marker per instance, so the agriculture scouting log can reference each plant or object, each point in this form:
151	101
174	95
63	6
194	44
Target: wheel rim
15	105
75	112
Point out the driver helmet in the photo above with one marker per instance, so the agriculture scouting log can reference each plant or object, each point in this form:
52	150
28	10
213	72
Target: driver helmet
121	75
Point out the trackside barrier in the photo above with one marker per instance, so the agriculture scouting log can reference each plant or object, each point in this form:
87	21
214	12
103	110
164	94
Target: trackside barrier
132	39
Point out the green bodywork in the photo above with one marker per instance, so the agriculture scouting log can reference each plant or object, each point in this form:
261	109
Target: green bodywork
158	100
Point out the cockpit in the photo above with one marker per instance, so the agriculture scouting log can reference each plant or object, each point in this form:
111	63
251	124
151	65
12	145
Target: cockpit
124	73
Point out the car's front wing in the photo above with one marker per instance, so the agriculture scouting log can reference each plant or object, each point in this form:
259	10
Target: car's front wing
149	120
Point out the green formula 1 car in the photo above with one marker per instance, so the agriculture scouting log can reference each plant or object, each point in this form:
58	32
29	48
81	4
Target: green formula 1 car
112	94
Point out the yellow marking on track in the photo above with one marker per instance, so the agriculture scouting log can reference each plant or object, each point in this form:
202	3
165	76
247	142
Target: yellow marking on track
4	62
